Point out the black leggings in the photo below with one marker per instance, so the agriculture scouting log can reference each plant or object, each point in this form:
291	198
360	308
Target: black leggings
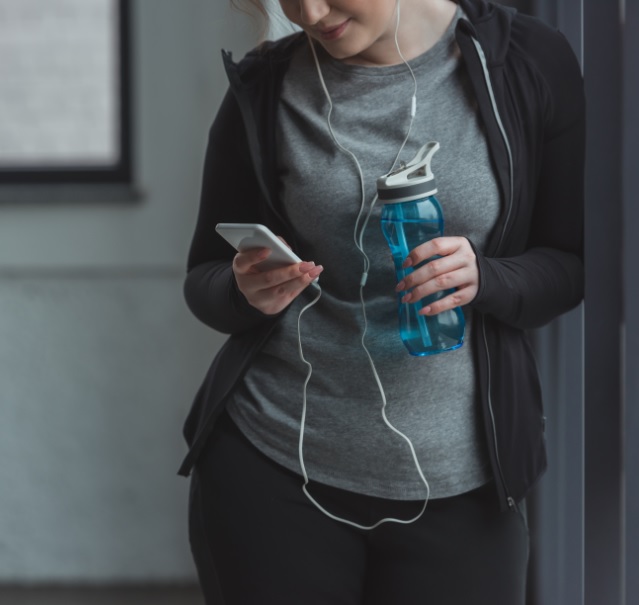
257	538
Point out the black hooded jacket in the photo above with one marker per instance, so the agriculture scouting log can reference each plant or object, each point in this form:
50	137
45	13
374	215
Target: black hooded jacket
529	94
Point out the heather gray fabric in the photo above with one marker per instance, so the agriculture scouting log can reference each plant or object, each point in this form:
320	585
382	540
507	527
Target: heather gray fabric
431	399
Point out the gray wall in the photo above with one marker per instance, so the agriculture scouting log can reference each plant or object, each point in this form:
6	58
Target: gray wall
99	357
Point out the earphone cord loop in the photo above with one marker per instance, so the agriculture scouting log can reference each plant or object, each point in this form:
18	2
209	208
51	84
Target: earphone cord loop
303	426
358	239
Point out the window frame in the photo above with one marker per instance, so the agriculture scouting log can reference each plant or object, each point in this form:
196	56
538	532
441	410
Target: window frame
121	172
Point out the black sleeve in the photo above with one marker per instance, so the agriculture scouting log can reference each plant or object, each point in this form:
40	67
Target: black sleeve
230	193
531	289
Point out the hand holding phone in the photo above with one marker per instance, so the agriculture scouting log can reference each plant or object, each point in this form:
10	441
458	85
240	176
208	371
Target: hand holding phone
244	236
267	295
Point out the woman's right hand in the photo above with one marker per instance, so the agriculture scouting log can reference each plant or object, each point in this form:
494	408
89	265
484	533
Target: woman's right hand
271	291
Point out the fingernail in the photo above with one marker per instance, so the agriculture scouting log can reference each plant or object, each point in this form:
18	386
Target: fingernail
263	253
408	262
425	311
306	266
406	298
316	271
400	286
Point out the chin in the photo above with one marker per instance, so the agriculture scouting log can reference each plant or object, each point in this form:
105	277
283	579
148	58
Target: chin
341	54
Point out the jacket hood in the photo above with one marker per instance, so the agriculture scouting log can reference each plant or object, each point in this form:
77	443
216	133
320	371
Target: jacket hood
491	24
262	60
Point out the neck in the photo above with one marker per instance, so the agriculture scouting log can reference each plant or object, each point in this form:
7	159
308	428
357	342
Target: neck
421	25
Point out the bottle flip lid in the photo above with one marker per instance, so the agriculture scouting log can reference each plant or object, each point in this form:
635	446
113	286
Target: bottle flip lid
411	181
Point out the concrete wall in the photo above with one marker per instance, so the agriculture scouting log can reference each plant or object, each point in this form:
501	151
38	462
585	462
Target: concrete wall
99	357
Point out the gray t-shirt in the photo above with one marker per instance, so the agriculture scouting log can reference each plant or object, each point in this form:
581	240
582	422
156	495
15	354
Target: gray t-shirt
432	399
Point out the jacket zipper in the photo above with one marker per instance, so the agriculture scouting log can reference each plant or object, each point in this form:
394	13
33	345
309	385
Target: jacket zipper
482	59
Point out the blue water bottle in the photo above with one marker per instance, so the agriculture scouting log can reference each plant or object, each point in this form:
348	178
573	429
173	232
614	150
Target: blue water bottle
411	216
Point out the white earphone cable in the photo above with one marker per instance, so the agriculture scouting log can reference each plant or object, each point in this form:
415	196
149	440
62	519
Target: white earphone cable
358	239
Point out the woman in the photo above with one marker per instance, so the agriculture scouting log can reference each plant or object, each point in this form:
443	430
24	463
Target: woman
307	126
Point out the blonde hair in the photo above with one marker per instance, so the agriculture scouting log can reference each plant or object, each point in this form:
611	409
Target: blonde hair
257	10
267	15
250	6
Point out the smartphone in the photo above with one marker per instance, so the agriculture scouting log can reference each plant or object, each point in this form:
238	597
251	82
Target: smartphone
244	236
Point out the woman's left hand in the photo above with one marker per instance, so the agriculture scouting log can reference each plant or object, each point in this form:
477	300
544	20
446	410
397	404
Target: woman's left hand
456	269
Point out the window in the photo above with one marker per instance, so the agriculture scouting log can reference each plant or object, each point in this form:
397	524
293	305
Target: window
64	91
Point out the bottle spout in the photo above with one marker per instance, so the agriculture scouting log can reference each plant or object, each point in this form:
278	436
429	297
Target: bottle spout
413	179
420	166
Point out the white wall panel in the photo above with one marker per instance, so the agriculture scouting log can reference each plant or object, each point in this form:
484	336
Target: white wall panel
99	357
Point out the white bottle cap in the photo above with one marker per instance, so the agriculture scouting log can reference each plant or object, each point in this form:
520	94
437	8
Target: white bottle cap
412	181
